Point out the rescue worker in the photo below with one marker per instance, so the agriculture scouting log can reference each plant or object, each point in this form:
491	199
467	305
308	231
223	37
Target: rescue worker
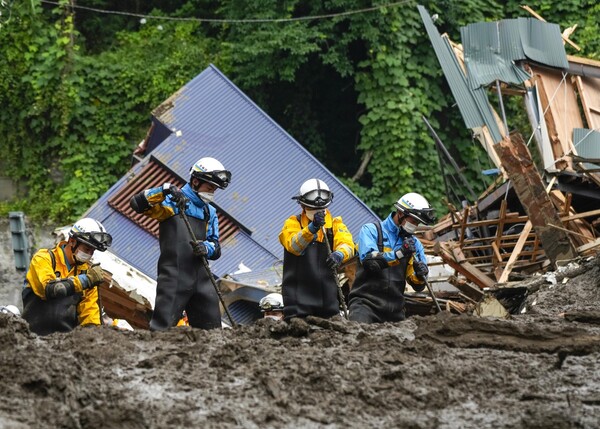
271	306
308	285
183	282
389	256
59	291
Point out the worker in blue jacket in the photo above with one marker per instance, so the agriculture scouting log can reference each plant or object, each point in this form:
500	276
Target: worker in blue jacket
183	283
390	255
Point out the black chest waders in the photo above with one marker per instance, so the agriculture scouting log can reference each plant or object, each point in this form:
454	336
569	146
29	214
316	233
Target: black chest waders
378	297
308	286
206	266
52	315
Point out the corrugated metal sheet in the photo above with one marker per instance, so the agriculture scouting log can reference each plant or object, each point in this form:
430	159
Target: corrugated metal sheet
587	146
212	117
242	312
472	103
542	42
491	49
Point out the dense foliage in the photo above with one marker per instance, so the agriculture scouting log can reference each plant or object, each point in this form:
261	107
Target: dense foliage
77	86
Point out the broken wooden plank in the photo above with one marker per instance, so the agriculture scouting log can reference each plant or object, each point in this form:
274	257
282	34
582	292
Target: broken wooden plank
587	247
579	226
452	255
531	192
516	252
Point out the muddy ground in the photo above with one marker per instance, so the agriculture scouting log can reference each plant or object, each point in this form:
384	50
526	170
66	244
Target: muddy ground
539	369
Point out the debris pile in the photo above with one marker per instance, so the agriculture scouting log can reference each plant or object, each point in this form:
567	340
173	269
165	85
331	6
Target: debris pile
542	210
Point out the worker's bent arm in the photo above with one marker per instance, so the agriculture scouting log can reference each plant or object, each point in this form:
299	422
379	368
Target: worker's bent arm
294	238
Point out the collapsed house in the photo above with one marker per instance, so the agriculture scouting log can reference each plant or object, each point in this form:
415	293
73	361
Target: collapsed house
542	211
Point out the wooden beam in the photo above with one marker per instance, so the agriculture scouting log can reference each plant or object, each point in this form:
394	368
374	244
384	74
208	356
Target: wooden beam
530	189
452	255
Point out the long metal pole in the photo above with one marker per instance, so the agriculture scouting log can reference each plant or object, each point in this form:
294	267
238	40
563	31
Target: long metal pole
206	266
335	276
429	288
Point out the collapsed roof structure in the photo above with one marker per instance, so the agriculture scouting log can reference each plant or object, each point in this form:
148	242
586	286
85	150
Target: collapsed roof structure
542	210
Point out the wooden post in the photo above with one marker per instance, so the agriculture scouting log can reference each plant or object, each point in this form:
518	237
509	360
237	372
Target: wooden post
530	189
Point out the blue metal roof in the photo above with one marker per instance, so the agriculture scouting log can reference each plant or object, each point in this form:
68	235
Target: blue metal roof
211	117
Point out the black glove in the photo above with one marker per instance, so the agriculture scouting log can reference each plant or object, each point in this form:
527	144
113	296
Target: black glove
95	275
374	262
319	219
421	269
334	259
199	248
407	248
177	196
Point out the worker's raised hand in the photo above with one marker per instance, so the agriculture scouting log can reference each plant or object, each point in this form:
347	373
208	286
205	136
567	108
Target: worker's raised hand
334	259
177	196
421	270
199	248
407	248
319	219
95	275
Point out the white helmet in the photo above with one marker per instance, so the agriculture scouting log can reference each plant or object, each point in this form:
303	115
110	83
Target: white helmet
91	232
212	171
416	206
10	309
314	193
271	302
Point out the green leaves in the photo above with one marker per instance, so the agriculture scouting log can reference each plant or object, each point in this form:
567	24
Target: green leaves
77	94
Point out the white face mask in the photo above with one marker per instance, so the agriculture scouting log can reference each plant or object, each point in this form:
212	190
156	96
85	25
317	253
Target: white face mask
409	227
274	316
310	213
207	197
81	256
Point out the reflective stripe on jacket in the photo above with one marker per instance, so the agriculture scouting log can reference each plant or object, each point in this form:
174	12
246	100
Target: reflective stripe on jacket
295	238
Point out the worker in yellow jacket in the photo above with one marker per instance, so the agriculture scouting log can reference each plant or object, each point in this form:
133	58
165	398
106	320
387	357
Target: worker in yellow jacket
59	291
308	285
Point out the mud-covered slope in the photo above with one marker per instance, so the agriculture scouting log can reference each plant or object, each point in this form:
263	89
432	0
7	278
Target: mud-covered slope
536	370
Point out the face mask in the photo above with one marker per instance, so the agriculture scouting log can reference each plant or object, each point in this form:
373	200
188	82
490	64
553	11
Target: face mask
81	256
310	214
409	227
274	316
207	197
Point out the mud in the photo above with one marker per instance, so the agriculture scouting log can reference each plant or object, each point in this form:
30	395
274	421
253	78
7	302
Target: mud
538	369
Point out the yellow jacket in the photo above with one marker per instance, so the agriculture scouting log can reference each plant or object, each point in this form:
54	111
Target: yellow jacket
40	273
295	237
